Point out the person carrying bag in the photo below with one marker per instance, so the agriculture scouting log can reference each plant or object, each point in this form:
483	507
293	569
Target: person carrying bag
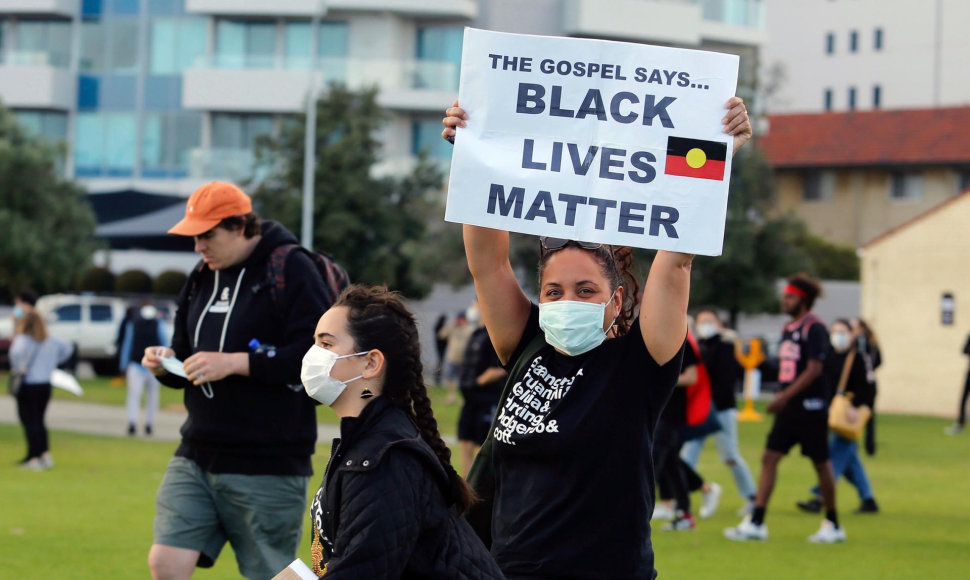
845	419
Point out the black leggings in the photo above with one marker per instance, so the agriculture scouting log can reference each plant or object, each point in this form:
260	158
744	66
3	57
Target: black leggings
32	403
962	415
672	479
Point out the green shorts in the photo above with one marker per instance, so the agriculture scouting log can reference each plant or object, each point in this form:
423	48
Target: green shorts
261	516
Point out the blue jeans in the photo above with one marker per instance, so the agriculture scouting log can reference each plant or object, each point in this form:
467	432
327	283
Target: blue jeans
727	449
845	461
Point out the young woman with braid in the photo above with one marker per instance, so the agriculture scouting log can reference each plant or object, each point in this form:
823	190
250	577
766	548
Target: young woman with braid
573	462
390	503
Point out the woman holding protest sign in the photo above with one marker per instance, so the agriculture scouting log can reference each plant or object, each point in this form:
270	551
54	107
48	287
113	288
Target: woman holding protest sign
588	381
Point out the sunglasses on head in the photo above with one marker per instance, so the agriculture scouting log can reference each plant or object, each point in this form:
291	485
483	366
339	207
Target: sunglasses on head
550	244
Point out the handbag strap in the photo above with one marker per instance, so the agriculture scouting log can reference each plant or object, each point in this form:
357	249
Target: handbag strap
844	378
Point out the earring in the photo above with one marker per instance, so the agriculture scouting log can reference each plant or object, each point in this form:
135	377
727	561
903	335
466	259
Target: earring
366	393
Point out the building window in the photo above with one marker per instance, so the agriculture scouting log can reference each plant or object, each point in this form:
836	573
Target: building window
109	45
175	44
239	131
51	126
332	44
905	186
40	42
168	140
853	41
818	186
876	96
828	99
877	39
245	44
105	144
439	57
851	98
830	43
426	137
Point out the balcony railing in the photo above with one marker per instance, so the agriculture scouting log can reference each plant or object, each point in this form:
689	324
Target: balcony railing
34	58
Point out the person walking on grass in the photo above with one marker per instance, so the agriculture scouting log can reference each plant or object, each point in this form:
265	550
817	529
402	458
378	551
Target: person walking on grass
801	413
957	428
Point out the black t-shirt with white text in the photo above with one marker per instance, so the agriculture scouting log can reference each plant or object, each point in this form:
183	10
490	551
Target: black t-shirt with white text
803	340
572	498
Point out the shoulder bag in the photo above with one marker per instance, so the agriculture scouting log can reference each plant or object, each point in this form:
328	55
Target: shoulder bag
845	420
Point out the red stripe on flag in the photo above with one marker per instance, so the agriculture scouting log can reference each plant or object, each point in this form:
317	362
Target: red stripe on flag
710	170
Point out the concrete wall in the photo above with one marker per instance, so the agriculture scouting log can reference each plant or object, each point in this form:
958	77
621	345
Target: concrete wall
903	279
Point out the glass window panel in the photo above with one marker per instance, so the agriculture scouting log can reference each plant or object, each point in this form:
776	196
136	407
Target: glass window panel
161	46
439	57
152	150
92	57
89	143
124	45
260	44
91	7
48	125
297	45
163	7
331	48
192	38
118	92
230	44
42	42
426	136
232	131
119	143
124	6
188	137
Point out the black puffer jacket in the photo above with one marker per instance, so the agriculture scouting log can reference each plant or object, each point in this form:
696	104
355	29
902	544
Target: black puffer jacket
382	512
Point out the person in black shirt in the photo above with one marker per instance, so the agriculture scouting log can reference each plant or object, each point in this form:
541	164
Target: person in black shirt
868	349
480	381
801	412
957	428
572	498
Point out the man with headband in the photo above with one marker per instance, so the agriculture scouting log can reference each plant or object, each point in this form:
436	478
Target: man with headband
801	412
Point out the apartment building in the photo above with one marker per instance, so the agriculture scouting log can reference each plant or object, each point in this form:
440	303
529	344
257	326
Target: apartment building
155	97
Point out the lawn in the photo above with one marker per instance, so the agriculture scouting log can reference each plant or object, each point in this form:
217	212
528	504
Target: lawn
91	516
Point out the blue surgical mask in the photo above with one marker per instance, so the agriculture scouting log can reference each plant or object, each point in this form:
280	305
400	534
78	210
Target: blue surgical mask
18	312
573	327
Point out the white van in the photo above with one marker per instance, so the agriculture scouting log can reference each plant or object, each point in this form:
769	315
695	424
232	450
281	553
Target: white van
91	322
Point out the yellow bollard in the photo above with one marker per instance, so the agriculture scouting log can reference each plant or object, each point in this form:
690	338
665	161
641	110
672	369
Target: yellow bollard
752	377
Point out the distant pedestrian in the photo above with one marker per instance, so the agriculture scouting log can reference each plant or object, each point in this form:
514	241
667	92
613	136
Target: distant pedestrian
481	380
440	344
23	302
957	427
845	360
725	374
801	413
456	334
868	349
140	329
36	354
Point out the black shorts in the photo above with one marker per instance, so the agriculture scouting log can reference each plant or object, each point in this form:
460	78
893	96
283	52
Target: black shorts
809	429
474	420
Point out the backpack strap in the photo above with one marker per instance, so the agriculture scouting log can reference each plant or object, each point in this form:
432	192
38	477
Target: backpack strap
334	276
481	476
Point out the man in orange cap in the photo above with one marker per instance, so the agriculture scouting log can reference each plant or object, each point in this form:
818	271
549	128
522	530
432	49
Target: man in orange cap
241	471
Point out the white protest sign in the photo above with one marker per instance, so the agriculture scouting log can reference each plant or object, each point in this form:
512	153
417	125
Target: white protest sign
593	140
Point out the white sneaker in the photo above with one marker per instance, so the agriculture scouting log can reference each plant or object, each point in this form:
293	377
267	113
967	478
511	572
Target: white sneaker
746	530
954	429
709	501
46	461
662	511
828	534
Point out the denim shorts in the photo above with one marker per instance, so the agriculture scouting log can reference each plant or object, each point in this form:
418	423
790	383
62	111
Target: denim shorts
261	516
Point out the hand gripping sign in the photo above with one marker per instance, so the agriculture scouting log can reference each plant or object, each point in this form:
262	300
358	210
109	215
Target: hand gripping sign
592	140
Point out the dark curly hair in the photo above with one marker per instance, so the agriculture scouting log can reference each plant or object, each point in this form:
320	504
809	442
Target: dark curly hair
616	263
378	320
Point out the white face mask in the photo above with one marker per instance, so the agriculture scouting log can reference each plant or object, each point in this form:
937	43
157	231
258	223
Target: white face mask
473	315
574	327
315	374
840	340
706	329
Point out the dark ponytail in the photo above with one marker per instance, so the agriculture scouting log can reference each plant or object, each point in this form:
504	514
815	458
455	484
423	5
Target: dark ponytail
378	320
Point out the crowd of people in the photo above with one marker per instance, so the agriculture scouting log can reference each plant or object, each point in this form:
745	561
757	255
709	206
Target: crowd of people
576	409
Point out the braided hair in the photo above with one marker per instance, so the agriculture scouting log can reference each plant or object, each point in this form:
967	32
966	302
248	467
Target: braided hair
378	320
616	264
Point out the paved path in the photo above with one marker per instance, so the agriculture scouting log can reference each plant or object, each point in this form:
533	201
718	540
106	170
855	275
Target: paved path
110	420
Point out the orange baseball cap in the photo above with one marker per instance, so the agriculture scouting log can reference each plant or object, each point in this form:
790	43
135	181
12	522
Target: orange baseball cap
209	205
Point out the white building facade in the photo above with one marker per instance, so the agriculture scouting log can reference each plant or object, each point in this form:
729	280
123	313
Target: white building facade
842	55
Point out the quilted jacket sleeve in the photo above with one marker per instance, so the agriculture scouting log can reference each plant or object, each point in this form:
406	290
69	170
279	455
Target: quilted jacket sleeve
380	518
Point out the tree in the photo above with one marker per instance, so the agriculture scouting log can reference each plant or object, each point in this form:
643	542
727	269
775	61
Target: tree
383	230
133	282
47	225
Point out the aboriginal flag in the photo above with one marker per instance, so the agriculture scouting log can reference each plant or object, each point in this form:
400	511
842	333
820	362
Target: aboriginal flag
695	158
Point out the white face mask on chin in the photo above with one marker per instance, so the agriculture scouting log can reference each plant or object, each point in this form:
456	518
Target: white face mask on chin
315	374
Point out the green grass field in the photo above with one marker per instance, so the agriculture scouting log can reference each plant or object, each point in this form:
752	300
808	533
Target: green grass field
91	516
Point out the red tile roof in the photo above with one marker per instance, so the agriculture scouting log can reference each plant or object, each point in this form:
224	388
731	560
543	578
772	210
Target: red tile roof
868	138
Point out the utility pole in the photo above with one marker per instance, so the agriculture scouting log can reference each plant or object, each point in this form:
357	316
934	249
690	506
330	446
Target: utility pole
310	130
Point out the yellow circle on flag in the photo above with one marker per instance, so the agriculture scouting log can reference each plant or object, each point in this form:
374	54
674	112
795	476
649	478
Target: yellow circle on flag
696	158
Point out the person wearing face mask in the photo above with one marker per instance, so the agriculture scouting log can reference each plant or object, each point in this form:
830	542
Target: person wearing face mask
572	444
390	502
480	383
242	469
845	452
23	303
725	373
